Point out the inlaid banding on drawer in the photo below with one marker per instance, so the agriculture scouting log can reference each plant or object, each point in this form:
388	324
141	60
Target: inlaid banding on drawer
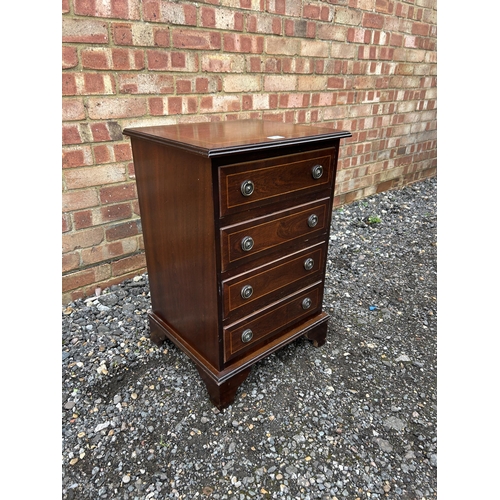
261	182
247	240
264	324
269	283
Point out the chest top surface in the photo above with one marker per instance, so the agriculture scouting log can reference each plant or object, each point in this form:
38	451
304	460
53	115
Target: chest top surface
221	138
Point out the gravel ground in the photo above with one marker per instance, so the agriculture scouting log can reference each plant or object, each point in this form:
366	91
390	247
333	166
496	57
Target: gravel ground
353	419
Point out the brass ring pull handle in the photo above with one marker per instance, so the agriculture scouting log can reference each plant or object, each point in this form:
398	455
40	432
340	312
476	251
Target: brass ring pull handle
247	335
313	220
317	171
308	264
306	303
247	243
247	188
246	291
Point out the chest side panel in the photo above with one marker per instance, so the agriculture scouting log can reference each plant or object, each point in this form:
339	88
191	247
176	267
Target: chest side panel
177	213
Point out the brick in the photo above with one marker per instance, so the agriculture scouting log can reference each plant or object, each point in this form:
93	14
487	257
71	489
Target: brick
161	37
335	83
296	65
323	99
123	230
73	109
120	9
381	86
220	104
122	152
96	58
103	153
420	29
208	85
122	34
380	37
279	83
363	4
181	14
193	39
359	35
160	60
342	51
329	32
221	19
384	6
97	83
110	251
156	107
103	253
127	59
116	58
347	16
396	40
69	86
243	43
310	48
283	46
430	4
78	279
223	63
71	134
294	100
76	156
285	7
270	25
66	223
76	200
103	109
241	83
83	219
151	10
143	35
84	31
372	20
105	131
69	57
311	11
360	110
115	212
87	84
70	261
84	177
129	264
300	28
82	239
247	4
261	101
311	83
145	83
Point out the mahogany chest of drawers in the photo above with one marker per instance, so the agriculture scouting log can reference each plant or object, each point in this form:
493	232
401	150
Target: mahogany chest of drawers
235	218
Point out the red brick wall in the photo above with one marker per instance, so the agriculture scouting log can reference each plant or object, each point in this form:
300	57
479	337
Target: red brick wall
367	66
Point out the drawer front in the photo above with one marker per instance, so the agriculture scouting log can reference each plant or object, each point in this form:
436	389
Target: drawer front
264	234
251	333
254	289
260	182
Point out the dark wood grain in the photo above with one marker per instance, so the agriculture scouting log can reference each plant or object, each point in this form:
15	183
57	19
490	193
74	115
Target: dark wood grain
272	231
273	281
177	215
274	179
214	139
271	320
194	217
